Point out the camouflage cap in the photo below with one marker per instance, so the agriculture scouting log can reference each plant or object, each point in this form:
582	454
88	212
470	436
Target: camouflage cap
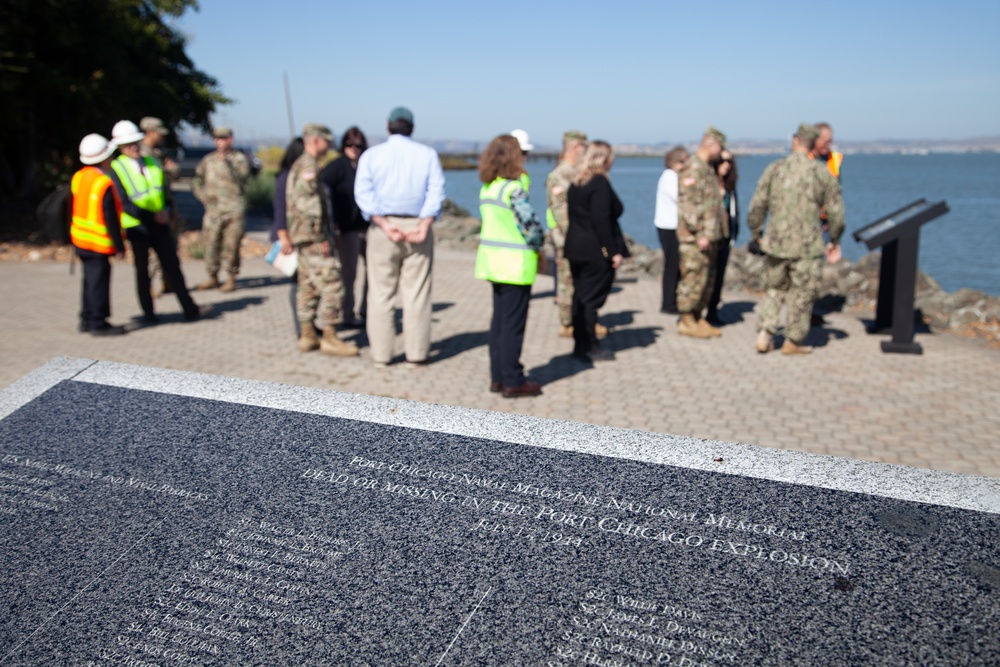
574	135
807	132
317	130
222	133
717	135
153	124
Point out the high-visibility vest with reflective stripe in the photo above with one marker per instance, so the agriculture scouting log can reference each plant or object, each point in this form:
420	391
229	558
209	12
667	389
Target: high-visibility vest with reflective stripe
525	181
503	256
146	192
89	229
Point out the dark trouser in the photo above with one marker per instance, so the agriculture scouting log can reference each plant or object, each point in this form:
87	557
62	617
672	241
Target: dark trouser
157	237
721	260
671	268
591	285
510	315
96	299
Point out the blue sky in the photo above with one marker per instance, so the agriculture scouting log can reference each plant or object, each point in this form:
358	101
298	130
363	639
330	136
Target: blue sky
624	71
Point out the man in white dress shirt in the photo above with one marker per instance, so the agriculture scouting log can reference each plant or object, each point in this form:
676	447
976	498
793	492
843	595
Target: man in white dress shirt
399	188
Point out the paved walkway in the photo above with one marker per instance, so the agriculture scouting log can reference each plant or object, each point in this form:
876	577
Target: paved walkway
940	410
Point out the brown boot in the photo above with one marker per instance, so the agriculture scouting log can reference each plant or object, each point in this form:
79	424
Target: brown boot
565	331
211	283
330	344
308	341
708	329
788	347
229	285
600	331
688	326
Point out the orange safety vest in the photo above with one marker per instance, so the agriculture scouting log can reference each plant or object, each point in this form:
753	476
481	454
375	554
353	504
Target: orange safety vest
833	162
89	229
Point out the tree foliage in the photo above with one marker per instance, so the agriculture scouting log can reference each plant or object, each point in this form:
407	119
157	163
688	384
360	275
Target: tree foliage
69	68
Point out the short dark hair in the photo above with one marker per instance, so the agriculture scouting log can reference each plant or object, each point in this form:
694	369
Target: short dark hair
354	136
401	126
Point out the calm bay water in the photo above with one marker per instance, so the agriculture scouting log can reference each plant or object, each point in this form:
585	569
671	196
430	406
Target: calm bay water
958	250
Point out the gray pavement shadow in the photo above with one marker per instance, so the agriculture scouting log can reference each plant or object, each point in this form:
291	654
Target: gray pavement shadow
558	368
261	281
620	319
234	305
624	339
457	344
821	336
733	312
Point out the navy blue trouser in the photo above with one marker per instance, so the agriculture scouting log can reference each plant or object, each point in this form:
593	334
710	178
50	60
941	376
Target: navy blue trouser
510	315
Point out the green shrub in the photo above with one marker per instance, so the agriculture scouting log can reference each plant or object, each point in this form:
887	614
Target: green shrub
260	192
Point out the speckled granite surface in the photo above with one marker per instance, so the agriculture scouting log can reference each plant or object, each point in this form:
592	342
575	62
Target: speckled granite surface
156	517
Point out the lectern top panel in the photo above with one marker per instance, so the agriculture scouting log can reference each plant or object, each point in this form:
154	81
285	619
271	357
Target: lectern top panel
897	223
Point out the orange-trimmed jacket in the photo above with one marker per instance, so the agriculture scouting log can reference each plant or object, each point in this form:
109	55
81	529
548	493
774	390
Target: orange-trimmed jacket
89	229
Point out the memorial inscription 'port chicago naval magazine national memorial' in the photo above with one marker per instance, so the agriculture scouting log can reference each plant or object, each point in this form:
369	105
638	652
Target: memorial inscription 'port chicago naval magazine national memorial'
156	517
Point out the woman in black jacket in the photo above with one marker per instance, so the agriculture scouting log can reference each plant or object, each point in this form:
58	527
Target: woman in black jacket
595	246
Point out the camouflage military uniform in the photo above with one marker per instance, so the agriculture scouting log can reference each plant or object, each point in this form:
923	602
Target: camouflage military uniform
321	289
220	182
557	189
700	213
176	222
794	190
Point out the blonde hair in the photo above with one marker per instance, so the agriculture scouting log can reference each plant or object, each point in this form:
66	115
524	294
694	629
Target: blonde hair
594	161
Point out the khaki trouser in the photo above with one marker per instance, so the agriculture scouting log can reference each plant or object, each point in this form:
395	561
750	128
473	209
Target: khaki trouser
404	269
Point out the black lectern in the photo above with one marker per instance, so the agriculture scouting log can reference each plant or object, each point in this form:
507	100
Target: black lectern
899	235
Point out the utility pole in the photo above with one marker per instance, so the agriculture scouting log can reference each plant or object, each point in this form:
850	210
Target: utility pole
288	105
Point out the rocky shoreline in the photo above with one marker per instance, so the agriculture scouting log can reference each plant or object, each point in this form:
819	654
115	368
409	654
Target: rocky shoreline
846	285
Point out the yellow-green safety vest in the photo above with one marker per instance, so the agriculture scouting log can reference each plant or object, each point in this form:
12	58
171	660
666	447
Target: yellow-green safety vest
503	256
145	192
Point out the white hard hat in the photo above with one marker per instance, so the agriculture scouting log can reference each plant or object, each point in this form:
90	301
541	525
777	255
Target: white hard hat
522	139
95	149
126	132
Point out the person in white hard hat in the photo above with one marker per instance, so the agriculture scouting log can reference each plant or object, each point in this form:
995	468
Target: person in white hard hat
526	147
96	233
141	187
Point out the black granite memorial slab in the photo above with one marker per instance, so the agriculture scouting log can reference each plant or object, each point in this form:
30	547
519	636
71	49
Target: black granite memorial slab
143	528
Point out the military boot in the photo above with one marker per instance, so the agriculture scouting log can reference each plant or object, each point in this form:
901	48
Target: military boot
600	331
688	326
788	347
707	329
330	344
229	285
308	341
765	342
211	283
565	331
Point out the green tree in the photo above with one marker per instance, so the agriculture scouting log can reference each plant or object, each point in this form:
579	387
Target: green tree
69	68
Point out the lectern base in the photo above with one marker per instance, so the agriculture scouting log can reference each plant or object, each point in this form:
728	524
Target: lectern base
889	346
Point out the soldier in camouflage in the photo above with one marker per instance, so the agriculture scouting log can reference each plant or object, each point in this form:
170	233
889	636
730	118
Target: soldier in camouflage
793	190
557	217
151	146
310	229
701	222
220	182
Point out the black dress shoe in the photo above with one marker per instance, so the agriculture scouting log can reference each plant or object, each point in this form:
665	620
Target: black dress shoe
529	388
150	318
105	329
83	327
495	387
